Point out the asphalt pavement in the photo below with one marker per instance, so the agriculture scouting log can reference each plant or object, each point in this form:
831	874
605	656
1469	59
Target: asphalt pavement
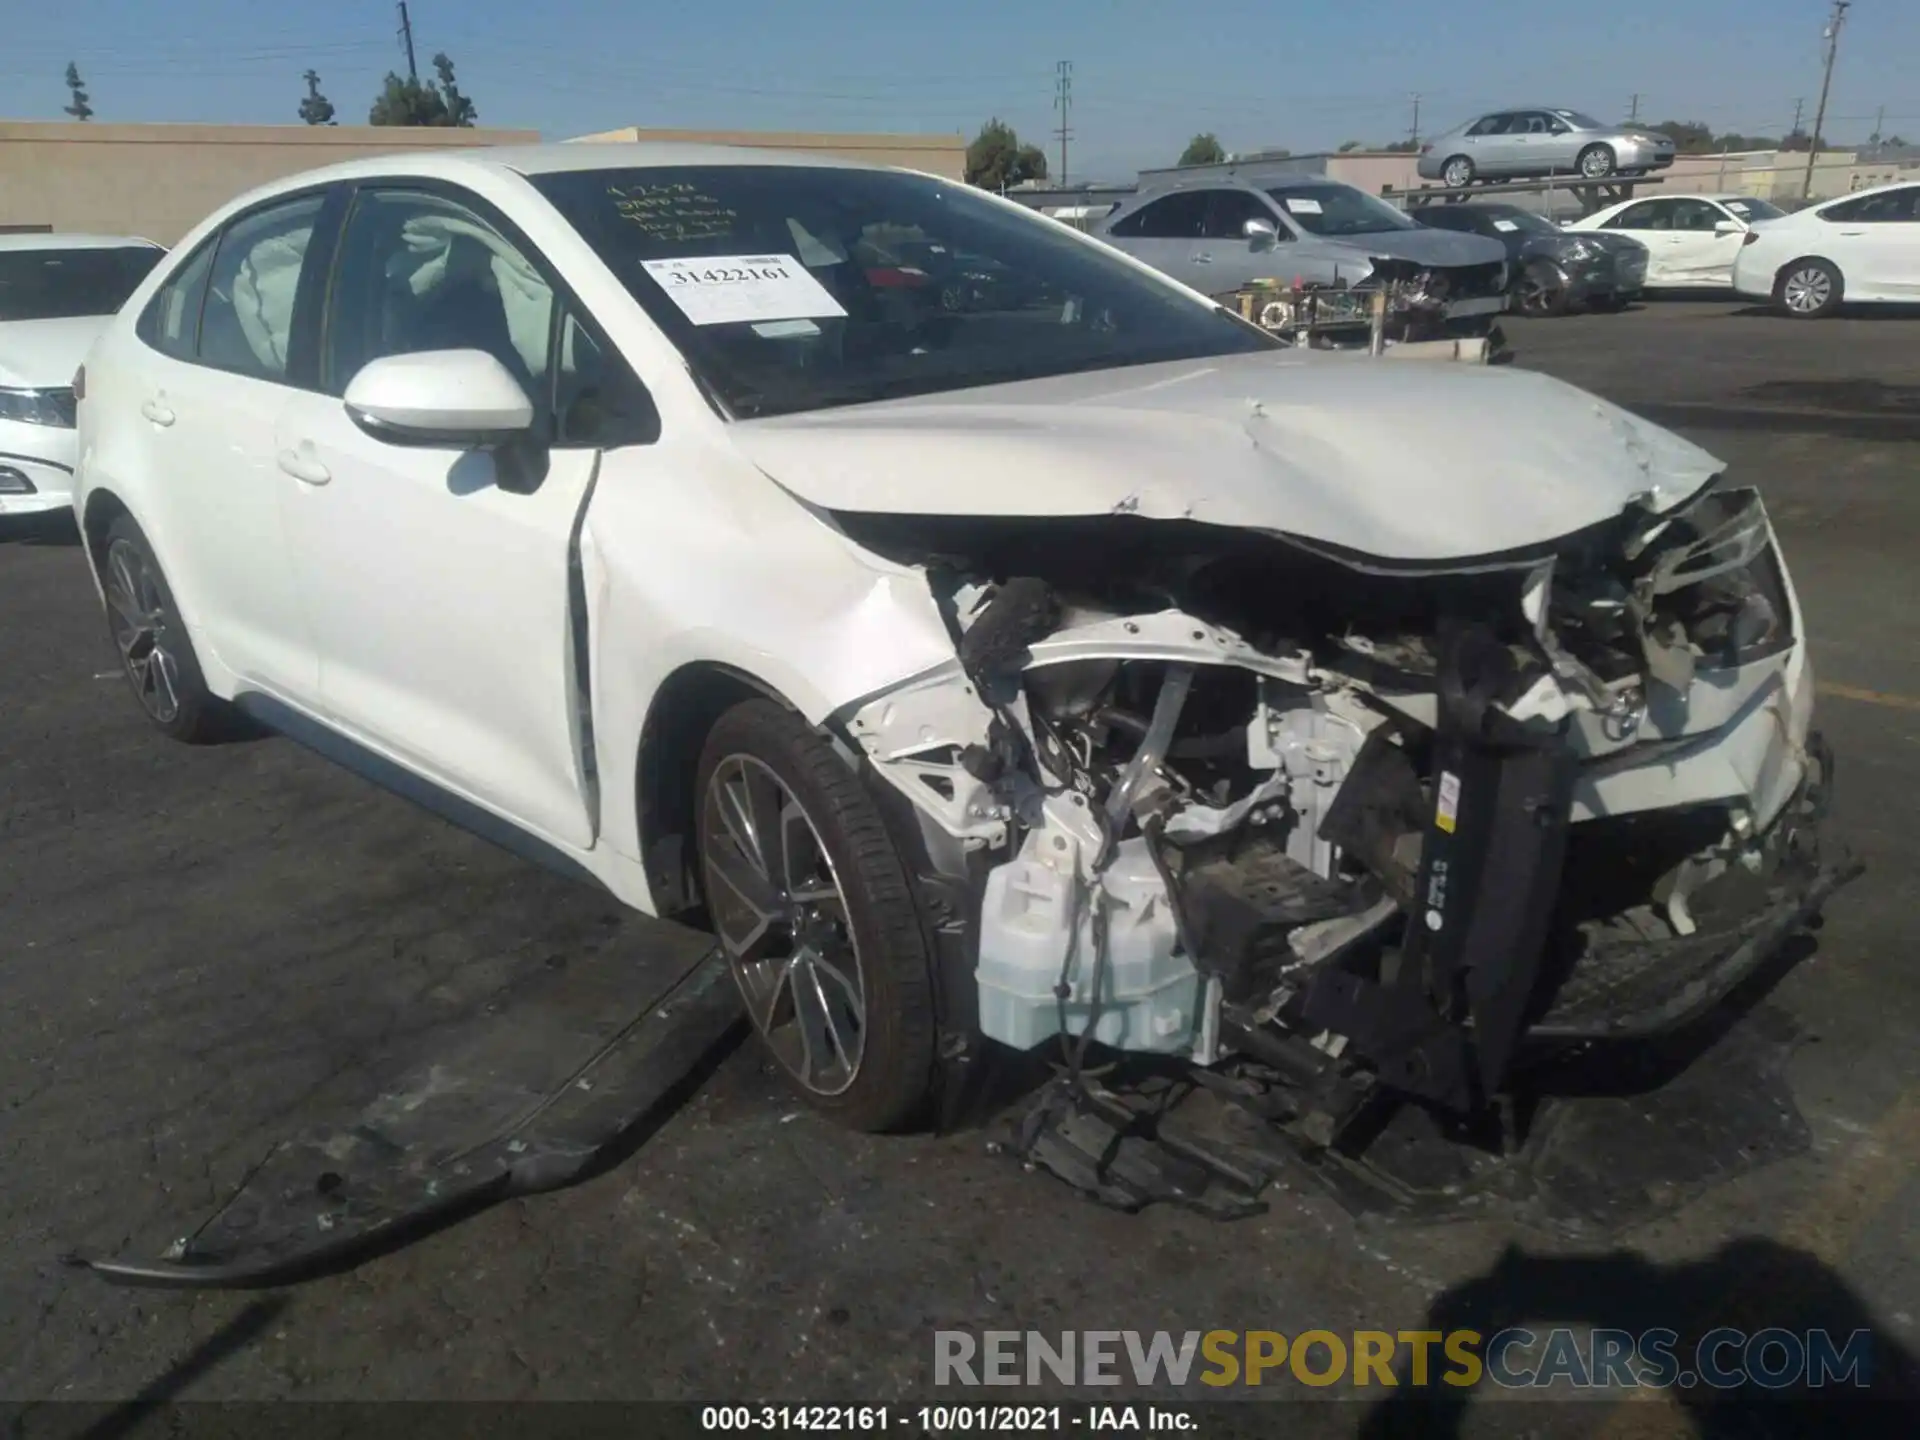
203	950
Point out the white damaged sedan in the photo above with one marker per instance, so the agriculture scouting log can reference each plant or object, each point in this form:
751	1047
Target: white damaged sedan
992	641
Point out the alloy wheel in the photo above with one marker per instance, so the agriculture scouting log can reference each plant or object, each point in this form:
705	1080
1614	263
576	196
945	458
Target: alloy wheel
781	916
1596	162
1458	173
1807	290
1539	295
143	630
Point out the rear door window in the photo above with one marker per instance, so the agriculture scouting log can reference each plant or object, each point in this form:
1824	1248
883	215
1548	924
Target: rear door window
171	321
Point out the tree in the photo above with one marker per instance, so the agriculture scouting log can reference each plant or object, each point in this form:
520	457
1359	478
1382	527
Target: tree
316	109
79	109
1347	145
460	111
996	159
405	100
1203	150
1401	147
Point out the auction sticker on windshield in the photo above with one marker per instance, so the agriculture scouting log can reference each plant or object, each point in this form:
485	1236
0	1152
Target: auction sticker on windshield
1303	205
728	289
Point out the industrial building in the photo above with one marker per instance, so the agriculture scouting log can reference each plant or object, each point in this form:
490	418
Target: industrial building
159	181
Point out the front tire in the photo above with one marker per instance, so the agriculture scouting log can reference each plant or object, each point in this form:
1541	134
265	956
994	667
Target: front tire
1542	291
156	653
1596	161
1807	289
1457	172
812	904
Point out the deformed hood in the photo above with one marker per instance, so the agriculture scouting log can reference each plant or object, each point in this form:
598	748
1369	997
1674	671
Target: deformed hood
1423	246
1404	460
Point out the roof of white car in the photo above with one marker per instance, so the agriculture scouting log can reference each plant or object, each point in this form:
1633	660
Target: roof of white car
551	159
1907	184
43	241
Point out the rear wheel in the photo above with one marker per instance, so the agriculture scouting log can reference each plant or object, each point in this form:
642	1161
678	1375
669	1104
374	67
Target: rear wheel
1457	171
156	654
811	902
1807	289
1596	162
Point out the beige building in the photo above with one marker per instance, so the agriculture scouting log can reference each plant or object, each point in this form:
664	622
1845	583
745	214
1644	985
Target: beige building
944	155
161	180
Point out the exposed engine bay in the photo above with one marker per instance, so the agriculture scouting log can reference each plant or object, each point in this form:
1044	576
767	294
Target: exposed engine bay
1248	801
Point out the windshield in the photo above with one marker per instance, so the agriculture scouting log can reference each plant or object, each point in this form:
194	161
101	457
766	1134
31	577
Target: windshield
1335	209
64	284
1579	121
798	287
1525	221
1752	210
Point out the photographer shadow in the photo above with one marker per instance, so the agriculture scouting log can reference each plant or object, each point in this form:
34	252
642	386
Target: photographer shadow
1750	1284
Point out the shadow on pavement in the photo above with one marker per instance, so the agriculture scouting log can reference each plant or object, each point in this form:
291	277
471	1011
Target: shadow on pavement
231	1338
1749	1285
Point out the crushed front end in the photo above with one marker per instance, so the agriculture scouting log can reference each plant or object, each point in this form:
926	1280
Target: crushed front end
1325	828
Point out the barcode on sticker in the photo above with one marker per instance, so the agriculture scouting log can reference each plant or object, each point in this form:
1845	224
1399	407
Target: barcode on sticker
1447	815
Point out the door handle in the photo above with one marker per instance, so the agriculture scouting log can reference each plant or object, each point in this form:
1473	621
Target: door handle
1854	233
304	468
157	412
1201	257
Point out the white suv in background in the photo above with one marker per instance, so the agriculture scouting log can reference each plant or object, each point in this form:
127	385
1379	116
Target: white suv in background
56	293
1864	247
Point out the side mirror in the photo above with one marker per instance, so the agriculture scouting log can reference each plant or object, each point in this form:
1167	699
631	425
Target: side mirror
445	399
1261	234
1727	227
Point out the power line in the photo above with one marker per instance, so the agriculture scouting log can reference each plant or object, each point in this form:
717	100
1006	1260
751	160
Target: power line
1832	38
1063	102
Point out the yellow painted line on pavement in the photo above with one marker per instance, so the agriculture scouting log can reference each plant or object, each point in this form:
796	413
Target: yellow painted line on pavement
1825	1227
1867	697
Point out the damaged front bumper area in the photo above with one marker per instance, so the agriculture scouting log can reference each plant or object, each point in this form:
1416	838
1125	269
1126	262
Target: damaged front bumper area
1349	828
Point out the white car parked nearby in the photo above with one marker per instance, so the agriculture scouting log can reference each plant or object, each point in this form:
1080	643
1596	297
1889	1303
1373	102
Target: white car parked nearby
1083	663
1691	240
56	292
1865	247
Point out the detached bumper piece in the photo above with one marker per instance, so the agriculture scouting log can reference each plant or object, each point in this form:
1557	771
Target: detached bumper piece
548	1090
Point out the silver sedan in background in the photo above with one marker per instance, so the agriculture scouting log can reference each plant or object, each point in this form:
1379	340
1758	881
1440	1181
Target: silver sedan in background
1534	141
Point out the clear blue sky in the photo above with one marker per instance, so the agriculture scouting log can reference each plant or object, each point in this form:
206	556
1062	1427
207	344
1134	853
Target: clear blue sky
1146	75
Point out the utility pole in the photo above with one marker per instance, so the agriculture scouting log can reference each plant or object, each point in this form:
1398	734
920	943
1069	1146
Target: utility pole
1879	130
1633	111
406	38
1414	134
1832	37
1063	102
1798	106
